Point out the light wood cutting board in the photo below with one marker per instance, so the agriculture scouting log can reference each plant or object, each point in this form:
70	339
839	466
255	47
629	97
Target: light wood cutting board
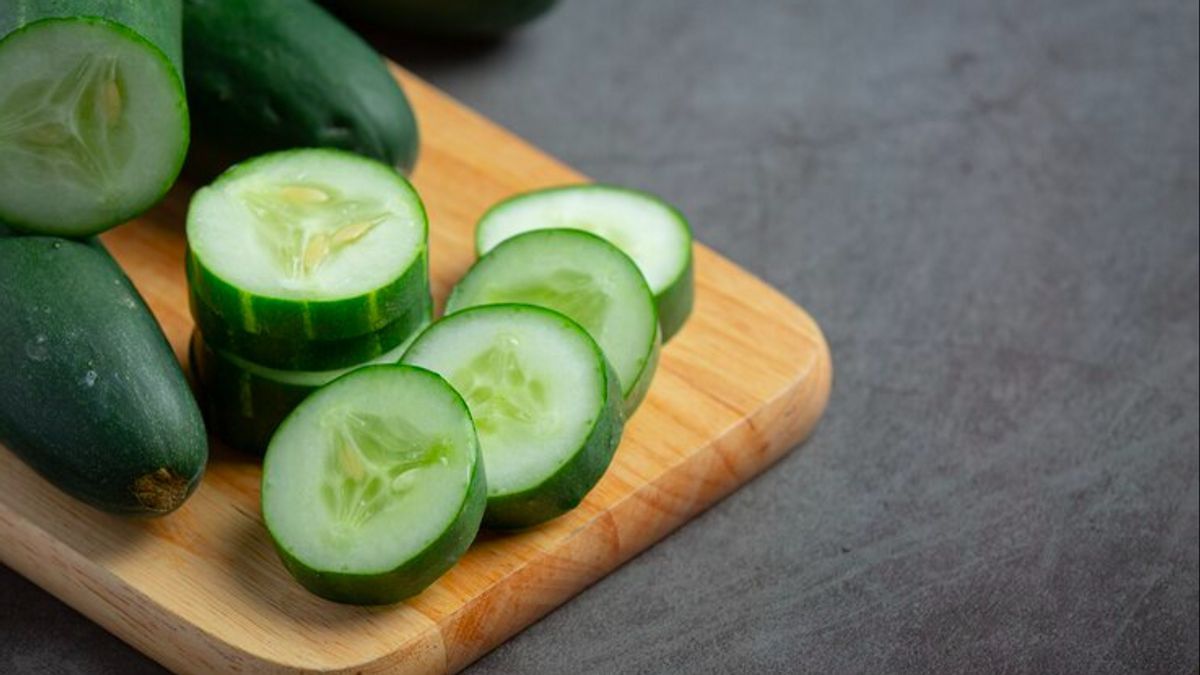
201	590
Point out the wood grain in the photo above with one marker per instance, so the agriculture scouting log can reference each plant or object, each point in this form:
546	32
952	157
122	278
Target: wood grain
202	591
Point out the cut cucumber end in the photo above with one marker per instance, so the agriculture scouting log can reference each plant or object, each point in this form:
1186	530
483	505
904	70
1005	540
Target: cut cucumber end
652	232
546	405
374	486
93	126
317	243
582	276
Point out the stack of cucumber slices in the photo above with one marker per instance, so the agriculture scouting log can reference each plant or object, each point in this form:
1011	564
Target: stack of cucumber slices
388	444
302	265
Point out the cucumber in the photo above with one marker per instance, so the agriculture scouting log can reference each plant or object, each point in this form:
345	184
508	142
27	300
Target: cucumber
275	74
93	118
311	244
447	17
245	402
374	486
652	232
584	277
546	404
284	353
93	398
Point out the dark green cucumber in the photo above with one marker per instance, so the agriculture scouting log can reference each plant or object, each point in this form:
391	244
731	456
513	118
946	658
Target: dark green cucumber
289	353
446	17
93	118
93	398
374	486
275	74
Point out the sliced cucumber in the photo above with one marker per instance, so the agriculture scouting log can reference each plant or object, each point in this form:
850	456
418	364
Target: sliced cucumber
374	486
547	406
245	402
584	277
313	244
285	353
652	232
93	119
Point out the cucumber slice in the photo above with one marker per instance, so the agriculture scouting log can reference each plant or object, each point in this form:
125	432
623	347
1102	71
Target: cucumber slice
245	402
649	230
584	277
314	244
286	353
546	404
93	119
374	486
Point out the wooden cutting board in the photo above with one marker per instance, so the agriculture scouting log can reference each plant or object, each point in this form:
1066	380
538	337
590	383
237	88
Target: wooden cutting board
201	590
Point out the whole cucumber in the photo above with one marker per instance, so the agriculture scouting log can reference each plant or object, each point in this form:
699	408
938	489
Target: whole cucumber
468	18
275	74
92	398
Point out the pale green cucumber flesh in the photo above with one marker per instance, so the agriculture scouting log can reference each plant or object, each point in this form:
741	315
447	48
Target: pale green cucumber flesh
374	486
650	231
584	277
93	125
311	236
545	404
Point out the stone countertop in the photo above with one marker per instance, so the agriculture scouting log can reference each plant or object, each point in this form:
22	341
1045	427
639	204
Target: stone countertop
991	208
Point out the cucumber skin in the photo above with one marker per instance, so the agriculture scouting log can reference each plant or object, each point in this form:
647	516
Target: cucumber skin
287	353
137	417
159	29
447	17
417	573
674	303
273	74
567	487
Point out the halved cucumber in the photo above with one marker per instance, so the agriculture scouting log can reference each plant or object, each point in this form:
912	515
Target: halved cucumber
93	119
313	244
649	230
244	402
374	486
584	277
289	353
546	404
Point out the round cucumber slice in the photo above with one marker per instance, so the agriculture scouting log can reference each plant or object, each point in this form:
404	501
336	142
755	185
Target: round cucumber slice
245	402
374	486
308	244
584	277
289	353
649	230
93	124
546	404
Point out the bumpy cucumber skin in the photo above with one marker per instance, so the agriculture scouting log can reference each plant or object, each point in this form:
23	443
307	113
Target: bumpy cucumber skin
635	393
155	25
316	319
567	487
288	353
675	302
416	573
94	399
472	18
272	74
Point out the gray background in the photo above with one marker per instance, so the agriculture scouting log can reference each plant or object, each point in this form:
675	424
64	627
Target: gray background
991	207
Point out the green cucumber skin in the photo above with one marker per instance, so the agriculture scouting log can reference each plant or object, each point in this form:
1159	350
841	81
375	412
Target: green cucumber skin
418	572
287	353
675	302
273	74
242	409
568	486
94	399
469	18
155	24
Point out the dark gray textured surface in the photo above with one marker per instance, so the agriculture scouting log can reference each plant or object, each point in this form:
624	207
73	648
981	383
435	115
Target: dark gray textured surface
991	207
